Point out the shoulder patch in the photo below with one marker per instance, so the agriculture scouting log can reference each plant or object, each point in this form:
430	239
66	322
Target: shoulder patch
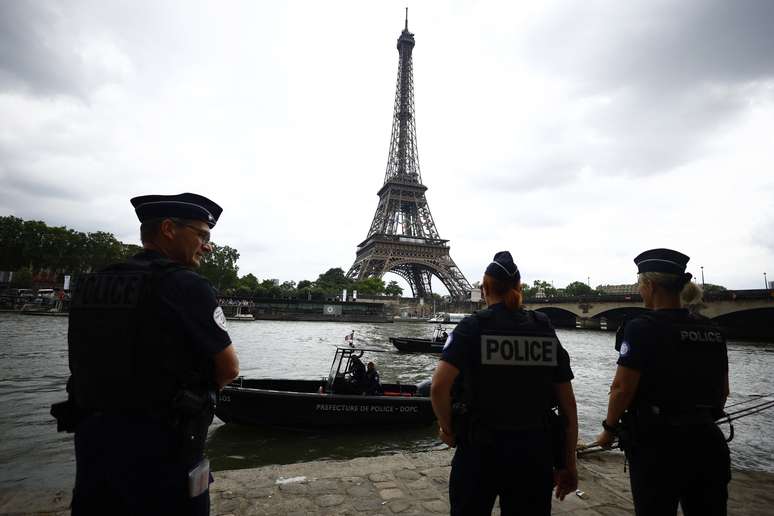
220	318
624	348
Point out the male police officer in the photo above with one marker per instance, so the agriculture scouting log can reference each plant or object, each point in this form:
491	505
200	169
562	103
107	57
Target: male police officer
148	346
672	381
506	367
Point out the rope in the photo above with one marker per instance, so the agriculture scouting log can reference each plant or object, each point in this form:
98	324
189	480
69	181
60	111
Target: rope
755	398
761	406
728	418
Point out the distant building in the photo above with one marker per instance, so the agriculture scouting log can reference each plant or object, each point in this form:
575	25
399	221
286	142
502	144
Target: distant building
618	289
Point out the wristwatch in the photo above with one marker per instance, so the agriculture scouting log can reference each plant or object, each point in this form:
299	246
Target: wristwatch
612	429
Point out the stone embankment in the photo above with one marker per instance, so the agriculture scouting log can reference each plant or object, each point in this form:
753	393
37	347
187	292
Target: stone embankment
398	484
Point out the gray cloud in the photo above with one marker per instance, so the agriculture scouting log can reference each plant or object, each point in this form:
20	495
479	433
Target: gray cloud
33	56
658	45
660	79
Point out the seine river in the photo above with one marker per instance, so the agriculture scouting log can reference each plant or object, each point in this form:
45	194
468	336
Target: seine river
33	372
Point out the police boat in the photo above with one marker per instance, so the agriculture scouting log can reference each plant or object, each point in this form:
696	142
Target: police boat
342	399
432	345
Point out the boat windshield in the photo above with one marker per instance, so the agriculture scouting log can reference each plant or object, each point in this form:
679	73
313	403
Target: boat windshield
341	363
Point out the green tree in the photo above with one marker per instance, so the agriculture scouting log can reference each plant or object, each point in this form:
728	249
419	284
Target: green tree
333	280
220	267
268	288
12	243
304	285
539	288
393	289
578	288
369	286
288	289
103	249
249	282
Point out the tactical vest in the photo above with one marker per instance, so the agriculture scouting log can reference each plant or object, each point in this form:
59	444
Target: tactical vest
510	385
126	355
685	366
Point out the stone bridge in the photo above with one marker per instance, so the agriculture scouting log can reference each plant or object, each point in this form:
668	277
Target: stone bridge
743	313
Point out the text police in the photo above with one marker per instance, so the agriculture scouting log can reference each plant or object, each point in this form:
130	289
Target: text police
518	350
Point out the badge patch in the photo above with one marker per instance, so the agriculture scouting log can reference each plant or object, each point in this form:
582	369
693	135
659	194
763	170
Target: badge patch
624	348
448	341
220	318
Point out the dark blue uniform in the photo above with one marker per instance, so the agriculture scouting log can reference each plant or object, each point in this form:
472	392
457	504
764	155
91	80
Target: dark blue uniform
133	349
509	362
676	453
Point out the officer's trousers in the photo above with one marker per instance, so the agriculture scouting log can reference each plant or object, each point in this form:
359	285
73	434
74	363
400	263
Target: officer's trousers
516	466
689	466
130	466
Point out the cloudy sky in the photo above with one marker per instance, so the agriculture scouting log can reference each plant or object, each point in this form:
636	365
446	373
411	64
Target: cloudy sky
575	134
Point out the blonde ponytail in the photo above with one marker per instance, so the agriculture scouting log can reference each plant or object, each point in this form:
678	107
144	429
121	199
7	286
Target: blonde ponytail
690	292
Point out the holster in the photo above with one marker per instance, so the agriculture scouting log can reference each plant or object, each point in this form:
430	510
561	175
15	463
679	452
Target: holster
193	413
68	415
629	431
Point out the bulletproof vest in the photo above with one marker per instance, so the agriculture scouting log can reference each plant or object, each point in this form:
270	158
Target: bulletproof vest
510	384
685	364
125	352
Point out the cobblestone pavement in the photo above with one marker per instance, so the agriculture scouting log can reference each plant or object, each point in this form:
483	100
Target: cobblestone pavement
397	484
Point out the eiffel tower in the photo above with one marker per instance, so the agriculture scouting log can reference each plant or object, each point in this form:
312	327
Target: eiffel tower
403	238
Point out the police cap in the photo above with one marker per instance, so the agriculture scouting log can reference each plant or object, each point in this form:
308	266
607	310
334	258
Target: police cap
503	268
184	206
661	260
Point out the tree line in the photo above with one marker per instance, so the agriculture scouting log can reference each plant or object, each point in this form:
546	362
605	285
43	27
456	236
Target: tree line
31	247
540	288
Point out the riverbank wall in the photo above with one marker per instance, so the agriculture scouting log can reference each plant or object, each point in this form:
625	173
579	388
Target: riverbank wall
396	484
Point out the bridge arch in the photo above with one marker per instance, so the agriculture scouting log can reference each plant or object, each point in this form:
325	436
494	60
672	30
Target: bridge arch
560	317
752	323
407	268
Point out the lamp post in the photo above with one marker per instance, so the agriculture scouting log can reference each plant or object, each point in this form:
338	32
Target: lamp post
702	276
765	282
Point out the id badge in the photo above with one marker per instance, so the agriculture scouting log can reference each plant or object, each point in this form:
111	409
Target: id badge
199	479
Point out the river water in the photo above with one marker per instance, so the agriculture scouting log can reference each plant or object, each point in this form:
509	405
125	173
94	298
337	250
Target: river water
33	372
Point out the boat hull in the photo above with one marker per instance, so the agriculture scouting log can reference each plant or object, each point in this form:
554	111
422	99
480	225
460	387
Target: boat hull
298	404
408	345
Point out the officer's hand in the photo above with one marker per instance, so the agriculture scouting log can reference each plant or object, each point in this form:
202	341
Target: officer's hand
449	438
605	439
566	481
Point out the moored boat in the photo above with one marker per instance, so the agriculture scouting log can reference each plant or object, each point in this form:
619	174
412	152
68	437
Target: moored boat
240	316
337	400
432	345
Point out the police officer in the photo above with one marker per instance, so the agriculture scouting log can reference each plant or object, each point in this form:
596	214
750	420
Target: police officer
148	347
670	386
500	371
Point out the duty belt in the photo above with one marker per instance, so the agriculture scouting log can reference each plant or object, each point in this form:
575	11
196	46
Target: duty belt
676	417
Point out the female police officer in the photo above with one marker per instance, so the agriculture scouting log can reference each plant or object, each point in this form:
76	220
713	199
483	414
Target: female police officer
672	381
506	368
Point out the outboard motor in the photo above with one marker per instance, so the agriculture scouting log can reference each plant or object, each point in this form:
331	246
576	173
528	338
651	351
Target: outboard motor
423	388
